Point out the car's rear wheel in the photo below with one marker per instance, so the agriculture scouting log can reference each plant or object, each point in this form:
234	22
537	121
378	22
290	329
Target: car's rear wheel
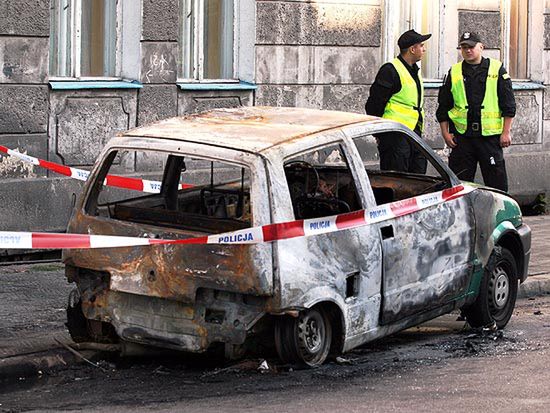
304	340
498	292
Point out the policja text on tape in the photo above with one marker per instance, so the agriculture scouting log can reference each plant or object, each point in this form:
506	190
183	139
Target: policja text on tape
255	235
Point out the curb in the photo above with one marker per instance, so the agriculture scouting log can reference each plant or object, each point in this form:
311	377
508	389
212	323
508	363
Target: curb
35	364
535	285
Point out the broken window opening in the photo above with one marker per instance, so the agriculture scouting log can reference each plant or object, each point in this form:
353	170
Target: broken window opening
321	184
193	194
390	186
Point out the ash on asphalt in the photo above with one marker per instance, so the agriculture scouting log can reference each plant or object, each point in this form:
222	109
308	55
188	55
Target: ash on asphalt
416	346
153	381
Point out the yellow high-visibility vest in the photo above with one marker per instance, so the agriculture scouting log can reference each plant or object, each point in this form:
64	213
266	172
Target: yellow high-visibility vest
402	106
492	122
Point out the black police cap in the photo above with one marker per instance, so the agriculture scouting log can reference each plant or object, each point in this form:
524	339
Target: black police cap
410	38
469	38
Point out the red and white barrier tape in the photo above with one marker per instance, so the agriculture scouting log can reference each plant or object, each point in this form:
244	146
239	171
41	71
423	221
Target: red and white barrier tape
136	184
255	235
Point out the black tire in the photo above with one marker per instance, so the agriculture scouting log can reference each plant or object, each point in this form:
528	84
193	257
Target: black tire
83	330
304	340
76	323
497	293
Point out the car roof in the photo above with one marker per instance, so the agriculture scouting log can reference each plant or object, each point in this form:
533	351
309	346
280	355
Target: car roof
252	129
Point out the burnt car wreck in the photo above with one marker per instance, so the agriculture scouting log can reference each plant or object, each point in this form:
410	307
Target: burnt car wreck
228	170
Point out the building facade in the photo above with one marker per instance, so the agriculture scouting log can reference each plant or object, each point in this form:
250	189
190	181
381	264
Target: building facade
76	72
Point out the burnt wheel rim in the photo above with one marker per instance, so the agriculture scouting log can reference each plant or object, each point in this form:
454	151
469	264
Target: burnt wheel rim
312	334
499	289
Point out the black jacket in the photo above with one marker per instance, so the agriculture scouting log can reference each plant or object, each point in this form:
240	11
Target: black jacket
475	77
386	84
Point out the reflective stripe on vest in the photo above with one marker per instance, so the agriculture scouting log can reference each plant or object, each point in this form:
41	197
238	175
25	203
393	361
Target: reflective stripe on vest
491	116
401	106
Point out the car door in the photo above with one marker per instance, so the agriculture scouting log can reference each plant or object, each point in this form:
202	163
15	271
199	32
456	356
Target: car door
343	266
427	253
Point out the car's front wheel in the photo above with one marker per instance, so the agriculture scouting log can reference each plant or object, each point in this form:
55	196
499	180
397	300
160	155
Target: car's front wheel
304	340
498	292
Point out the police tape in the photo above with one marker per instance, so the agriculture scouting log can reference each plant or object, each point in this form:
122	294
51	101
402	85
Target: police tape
125	182
255	235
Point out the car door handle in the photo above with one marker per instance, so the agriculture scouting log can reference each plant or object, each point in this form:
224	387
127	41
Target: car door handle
387	231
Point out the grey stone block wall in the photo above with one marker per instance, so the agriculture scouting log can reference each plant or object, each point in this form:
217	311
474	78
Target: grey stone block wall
24	60
24	106
81	122
432	133
349	98
25	17
316	65
546	106
317	55
160	20
526	129
547	31
34	145
485	23
199	101
301	23
528	173
159	62
23	109
157	102
43	204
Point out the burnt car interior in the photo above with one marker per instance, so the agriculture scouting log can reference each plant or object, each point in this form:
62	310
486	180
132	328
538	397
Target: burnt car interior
195	194
389	186
321	184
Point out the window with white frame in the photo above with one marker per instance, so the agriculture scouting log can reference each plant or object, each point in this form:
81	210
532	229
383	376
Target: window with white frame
208	39
83	38
515	46
422	16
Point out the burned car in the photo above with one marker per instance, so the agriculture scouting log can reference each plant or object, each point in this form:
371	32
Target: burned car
407	247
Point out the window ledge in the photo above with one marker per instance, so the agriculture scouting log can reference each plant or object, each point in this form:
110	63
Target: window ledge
527	85
217	86
95	84
433	84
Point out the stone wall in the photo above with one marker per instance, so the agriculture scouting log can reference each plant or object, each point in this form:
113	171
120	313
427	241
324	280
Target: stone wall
316	54
24	107
320	54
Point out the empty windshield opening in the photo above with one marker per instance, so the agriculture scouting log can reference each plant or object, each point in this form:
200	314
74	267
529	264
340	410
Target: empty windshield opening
389	185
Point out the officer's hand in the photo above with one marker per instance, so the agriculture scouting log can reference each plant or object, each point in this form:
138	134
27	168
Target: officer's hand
505	139
449	140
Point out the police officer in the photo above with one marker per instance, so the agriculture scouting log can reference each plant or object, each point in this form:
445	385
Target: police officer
398	94
476	108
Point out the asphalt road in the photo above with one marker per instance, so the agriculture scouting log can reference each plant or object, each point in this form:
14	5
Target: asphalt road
439	366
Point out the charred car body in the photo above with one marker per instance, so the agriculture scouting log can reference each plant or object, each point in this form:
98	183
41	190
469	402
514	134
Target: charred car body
232	169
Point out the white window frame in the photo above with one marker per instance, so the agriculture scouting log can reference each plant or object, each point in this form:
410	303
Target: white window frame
394	8
243	39
128	32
